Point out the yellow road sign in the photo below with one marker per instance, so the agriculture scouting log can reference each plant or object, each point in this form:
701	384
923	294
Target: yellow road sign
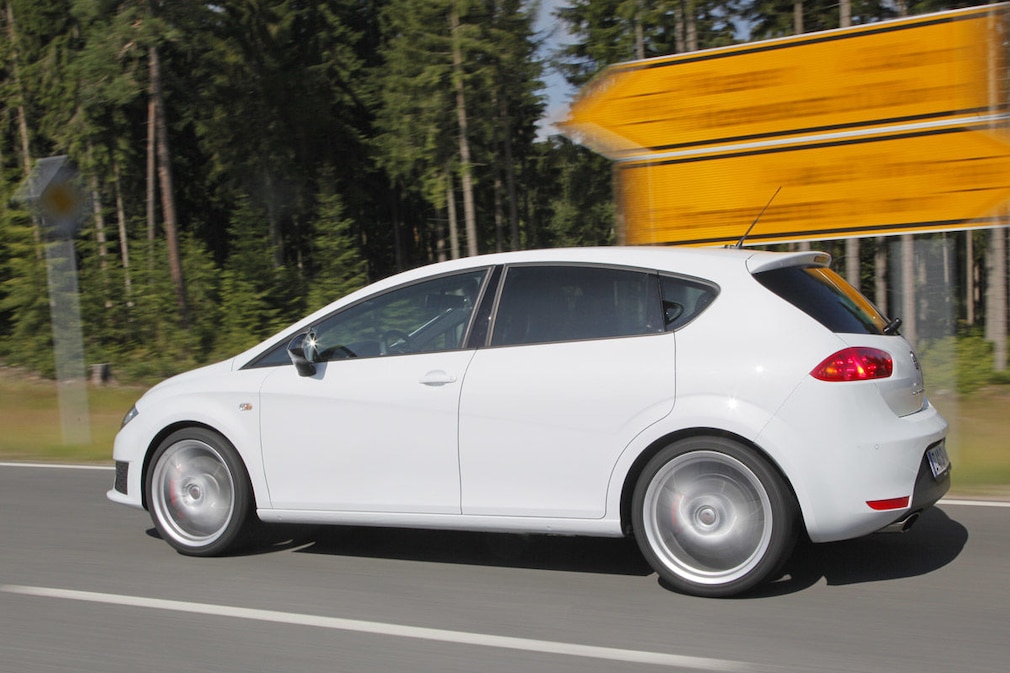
932	179
893	127
929	67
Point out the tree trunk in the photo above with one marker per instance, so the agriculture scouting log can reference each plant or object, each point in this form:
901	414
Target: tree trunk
469	212
639	33
450	202
22	117
798	17
909	316
152	166
851	244
499	216
510	172
124	240
880	275
99	214
996	297
690	26
165	182
679	39
969	277
273	223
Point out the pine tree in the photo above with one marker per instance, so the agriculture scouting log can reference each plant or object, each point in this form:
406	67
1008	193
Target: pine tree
339	267
247	281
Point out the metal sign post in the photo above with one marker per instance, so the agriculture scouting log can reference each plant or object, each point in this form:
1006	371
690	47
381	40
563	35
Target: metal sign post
54	195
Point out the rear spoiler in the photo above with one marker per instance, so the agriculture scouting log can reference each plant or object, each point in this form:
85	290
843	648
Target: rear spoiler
766	262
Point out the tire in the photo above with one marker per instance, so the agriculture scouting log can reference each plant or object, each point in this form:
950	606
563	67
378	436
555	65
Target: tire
712	517
198	493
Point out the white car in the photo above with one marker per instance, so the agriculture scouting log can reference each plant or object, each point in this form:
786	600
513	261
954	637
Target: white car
713	403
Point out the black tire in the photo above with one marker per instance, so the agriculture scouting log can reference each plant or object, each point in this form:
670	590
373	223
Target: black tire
712	517
198	493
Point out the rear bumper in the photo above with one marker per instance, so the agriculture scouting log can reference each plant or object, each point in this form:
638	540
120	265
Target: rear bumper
870	456
928	489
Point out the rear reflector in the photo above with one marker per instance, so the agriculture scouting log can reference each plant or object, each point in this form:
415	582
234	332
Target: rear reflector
855	364
891	503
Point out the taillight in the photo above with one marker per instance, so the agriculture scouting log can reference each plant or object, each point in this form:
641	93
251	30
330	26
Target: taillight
855	364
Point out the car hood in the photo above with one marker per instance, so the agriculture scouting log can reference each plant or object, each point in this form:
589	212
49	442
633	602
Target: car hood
192	378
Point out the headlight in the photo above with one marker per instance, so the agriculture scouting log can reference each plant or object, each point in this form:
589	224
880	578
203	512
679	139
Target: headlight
130	415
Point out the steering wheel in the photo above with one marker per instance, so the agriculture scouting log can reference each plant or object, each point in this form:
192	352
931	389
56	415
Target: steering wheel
336	353
393	341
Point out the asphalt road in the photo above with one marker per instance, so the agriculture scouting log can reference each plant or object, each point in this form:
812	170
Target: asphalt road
86	585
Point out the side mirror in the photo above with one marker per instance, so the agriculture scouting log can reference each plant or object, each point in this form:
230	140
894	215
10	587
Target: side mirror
302	351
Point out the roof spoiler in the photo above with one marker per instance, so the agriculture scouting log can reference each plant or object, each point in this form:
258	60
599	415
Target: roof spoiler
766	262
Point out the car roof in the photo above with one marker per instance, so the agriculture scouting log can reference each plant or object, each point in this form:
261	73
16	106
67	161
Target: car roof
684	260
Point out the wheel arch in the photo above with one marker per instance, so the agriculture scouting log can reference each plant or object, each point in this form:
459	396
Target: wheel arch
167	431
638	466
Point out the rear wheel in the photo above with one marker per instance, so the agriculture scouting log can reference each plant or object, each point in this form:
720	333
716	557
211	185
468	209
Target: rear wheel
198	493
712	517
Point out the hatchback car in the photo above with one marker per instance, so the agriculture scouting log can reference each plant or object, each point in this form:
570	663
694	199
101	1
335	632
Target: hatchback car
713	403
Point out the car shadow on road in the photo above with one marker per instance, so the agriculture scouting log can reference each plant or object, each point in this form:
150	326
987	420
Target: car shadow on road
617	556
933	542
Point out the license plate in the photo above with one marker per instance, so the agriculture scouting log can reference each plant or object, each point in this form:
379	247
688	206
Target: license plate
939	462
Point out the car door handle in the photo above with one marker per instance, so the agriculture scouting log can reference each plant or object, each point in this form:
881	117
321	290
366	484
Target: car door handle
437	378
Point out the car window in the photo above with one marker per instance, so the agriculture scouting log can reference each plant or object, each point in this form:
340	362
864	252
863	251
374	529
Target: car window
542	304
429	316
826	297
684	299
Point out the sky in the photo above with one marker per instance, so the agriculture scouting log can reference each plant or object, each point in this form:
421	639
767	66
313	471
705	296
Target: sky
558	92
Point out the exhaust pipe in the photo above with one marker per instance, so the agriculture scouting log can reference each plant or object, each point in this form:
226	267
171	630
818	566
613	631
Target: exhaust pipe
901	525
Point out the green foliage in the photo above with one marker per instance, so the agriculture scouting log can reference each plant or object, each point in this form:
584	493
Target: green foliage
581	210
613	31
962	363
247	312
774	18
339	266
24	301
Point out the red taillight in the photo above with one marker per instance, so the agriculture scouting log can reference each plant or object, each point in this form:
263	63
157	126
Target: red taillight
890	503
855	364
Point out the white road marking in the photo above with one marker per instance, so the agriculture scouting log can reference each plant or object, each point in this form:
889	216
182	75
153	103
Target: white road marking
59	466
381	628
974	503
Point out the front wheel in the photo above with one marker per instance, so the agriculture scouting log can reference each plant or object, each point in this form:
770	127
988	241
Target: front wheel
712	517
198	493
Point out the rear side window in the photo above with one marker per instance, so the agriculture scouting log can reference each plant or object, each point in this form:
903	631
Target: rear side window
826	297
683	299
543	304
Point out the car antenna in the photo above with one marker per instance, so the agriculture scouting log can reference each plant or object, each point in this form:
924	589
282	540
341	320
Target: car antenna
739	244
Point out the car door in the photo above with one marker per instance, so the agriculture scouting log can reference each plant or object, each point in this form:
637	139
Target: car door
579	362
374	428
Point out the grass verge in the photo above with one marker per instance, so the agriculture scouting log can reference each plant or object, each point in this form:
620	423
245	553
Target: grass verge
30	418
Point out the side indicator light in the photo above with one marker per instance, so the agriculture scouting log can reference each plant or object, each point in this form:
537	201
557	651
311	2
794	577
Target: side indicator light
855	364
890	503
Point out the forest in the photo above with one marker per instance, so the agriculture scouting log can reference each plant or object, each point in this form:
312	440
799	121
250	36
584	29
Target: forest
246	161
